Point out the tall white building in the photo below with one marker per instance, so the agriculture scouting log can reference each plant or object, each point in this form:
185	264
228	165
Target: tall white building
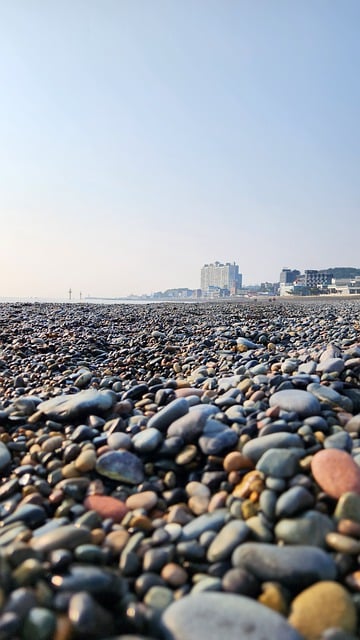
223	276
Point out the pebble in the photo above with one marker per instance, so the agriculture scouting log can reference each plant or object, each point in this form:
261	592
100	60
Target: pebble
206	616
122	466
336	472
66	536
106	507
322	606
294	567
303	402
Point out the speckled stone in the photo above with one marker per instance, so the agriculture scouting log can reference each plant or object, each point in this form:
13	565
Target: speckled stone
121	465
336	472
322	606
210	616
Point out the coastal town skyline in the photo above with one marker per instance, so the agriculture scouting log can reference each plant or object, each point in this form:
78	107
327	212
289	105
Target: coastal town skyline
141	140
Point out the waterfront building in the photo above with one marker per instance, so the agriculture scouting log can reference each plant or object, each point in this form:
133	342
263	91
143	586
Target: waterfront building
225	277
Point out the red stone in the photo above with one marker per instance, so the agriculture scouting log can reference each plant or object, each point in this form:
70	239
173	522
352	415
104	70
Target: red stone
106	507
336	472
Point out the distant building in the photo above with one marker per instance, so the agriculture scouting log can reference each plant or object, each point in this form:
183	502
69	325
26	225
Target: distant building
315	278
293	282
288	276
222	277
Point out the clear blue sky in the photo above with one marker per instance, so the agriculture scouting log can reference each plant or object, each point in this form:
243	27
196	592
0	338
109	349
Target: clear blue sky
140	139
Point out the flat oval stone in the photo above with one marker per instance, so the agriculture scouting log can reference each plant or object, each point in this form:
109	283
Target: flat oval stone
84	577
303	402
323	606
147	440
190	426
294	567
279	463
216	438
196	527
254	449
68	407
168	414
65	537
142	500
292	501
336	472
311	528
228	538
106	507
210	616
329	365
330	396
121	465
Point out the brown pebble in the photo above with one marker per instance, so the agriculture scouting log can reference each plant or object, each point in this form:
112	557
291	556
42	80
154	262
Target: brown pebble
236	461
117	540
174	574
97	536
143	500
349	528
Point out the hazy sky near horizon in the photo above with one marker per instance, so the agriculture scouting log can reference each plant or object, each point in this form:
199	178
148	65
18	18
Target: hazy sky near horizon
140	139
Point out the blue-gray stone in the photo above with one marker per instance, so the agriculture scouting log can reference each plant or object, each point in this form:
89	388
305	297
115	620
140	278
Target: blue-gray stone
87	616
341	440
5	456
330	365
147	440
30	514
255	448
311	529
122	466
213	521
267	503
85	577
67	537
295	567
329	396
190	426
293	501
224	543
216	438
68	407
210	616
168	414
280	463
297	400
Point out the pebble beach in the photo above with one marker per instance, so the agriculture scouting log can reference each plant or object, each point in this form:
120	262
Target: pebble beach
180	471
